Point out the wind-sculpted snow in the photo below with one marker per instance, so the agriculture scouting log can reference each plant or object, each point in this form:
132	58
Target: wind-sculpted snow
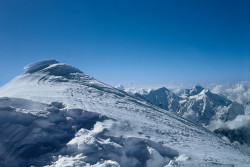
99	144
33	67
30	137
78	121
52	67
61	70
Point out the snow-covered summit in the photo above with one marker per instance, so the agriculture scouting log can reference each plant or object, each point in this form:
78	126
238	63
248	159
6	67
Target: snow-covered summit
196	90
190	92
36	66
52	67
58	116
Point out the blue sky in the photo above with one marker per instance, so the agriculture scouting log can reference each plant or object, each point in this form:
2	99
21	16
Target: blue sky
143	42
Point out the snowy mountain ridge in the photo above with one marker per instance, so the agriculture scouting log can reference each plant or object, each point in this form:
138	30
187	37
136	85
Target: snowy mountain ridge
55	115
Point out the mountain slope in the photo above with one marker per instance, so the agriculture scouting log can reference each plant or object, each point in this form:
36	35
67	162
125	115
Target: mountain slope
96	125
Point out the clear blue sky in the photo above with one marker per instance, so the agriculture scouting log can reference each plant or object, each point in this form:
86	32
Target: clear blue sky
126	41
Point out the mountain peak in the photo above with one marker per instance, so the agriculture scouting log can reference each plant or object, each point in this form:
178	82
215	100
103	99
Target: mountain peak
53	67
196	90
162	89
198	87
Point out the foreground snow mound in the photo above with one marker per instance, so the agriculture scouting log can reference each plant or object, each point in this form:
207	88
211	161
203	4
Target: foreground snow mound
34	137
59	116
30	137
98	145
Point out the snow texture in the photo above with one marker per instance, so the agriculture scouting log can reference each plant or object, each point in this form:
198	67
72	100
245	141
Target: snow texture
55	115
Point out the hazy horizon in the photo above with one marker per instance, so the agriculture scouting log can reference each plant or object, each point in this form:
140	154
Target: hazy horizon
149	84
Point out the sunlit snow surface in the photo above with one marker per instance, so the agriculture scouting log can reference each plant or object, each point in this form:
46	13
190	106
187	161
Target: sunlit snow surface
92	124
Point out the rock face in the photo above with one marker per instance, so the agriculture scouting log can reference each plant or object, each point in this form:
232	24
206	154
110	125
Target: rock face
56	115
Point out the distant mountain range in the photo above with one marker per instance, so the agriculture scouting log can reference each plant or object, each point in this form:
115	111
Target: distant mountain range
211	110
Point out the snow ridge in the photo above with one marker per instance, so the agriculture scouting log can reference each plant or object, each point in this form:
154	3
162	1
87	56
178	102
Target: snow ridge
59	116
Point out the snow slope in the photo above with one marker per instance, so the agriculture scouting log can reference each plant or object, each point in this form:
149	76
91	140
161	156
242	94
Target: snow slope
54	114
